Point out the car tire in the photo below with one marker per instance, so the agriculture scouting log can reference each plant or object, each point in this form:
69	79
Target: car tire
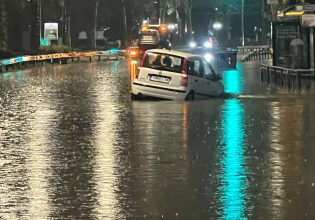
134	97
190	96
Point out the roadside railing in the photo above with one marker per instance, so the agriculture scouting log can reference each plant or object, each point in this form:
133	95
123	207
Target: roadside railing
248	49
261	54
291	78
62	58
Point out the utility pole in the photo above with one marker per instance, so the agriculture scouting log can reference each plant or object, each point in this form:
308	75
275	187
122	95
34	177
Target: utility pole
243	31
63	22
263	20
124	23
95	23
40	21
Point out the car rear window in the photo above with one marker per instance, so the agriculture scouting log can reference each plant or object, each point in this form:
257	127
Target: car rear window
163	62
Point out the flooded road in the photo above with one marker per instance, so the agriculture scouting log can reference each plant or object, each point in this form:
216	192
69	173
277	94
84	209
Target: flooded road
74	146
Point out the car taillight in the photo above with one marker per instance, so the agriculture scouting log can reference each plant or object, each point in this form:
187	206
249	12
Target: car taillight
137	72
133	53
134	70
142	60
184	80
144	27
163	28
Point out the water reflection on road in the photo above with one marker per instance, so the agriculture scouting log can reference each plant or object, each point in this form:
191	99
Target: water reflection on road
74	146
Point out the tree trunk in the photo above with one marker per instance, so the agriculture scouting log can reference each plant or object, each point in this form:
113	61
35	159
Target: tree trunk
4	25
188	19
95	25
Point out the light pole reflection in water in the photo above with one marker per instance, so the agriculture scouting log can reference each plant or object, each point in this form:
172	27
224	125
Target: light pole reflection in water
232	190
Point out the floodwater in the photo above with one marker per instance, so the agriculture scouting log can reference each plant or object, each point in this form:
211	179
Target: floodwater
74	146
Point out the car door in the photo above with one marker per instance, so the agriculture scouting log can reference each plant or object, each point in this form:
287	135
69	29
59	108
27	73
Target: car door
195	71
213	86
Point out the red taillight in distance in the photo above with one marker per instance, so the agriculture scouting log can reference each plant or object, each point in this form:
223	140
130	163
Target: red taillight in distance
133	53
184	80
163	29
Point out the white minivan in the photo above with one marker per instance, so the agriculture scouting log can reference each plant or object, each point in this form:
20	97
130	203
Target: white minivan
175	75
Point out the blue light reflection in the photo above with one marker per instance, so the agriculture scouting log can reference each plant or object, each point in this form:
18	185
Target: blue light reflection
115	66
233	81
233	184
233	176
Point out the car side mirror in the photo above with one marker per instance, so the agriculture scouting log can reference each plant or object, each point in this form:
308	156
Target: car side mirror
219	77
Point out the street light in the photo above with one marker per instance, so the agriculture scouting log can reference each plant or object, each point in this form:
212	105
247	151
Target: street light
217	26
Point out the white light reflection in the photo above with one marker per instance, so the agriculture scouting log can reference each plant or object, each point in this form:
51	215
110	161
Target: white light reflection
285	158
105	178
39	161
276	178
24	180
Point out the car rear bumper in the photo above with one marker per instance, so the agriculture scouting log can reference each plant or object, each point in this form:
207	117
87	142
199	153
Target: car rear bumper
158	92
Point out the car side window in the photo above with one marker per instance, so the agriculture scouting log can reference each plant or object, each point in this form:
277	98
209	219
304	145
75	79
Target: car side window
209	72
195	68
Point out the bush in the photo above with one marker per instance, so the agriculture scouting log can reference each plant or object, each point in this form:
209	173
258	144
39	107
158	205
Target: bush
54	49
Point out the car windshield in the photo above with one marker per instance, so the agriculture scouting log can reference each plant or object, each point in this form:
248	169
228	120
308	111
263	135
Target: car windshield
163	62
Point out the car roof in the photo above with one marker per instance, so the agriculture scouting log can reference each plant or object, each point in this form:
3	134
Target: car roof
173	52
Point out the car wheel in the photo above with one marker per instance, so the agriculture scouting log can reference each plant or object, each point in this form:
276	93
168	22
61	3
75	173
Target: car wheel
190	96
134	97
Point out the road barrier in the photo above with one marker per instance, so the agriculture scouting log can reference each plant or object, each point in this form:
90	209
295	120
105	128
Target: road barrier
61	58
247	49
290	78
260	54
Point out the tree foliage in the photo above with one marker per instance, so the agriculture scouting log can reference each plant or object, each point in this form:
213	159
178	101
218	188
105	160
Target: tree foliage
4	25
86	15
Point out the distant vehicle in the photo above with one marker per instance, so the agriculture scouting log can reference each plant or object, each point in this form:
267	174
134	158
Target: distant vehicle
208	46
152	36
175	75
204	42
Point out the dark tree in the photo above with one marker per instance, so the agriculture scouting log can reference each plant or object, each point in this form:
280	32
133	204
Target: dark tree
4	25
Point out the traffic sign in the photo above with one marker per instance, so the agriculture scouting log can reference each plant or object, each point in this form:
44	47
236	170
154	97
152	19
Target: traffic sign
51	31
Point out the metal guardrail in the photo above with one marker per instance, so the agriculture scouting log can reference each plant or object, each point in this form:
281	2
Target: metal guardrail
259	54
60	57
284	76
248	49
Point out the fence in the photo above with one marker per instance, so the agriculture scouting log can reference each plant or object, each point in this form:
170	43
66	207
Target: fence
247	49
291	78
261	54
61	58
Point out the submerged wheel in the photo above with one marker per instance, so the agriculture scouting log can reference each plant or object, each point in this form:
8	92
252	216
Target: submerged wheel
190	96
133	96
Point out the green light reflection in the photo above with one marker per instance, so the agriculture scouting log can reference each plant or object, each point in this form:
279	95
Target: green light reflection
234	184
233	81
233	176
115	66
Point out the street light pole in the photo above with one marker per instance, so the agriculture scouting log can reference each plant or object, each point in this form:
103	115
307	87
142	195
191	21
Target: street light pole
40	21
124	24
243	34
